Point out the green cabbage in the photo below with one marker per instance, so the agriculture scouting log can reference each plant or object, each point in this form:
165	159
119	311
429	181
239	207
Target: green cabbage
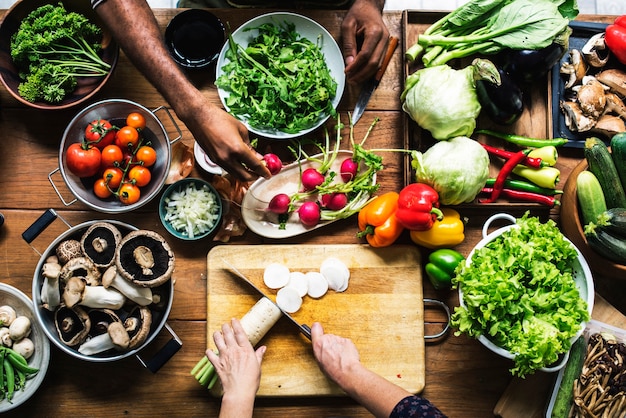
457	169
443	100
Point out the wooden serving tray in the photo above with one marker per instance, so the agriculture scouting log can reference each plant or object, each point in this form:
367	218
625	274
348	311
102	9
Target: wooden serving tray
536	121
382	312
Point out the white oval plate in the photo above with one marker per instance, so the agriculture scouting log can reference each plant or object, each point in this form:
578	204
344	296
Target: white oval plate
254	204
307	28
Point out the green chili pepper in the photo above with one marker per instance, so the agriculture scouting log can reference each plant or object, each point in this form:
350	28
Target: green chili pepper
441	267
524	141
525	186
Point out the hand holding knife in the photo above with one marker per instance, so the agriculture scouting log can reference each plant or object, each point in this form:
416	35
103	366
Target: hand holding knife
371	85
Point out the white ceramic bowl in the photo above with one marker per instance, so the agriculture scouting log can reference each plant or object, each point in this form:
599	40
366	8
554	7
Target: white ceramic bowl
308	29
582	277
40	359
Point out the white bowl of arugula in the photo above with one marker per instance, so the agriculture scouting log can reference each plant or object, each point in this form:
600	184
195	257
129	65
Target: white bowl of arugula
526	293
286	78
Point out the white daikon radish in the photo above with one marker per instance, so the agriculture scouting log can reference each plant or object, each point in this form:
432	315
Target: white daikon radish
318	285
276	275
288	299
336	273
298	281
260	319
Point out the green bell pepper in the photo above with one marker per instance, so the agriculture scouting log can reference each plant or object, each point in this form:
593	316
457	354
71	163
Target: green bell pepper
441	266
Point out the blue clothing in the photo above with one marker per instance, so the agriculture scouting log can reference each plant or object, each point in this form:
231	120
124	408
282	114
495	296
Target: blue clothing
415	407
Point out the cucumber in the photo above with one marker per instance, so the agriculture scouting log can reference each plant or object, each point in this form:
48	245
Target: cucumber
614	220
590	197
608	244
618	153
602	166
565	393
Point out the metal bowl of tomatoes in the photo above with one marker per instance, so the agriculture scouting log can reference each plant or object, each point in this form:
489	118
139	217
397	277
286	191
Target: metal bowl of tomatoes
115	156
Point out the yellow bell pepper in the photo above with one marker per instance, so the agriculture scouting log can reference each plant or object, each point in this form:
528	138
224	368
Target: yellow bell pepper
448	232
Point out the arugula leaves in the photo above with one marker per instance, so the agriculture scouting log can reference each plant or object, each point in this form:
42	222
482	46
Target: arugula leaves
279	81
519	291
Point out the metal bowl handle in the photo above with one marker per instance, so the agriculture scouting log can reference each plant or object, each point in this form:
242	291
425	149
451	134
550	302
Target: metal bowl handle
54	186
495	217
164	354
169	114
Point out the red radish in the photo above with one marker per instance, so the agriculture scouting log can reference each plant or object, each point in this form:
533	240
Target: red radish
311	178
349	169
334	201
273	163
309	213
280	204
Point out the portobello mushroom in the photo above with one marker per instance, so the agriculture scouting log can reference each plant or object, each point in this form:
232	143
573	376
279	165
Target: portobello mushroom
99	242
145	258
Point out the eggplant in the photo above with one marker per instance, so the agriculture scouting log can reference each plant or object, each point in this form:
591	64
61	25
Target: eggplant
530	65
503	103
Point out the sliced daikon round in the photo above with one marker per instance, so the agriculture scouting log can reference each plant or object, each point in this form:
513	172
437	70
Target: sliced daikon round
318	285
288	299
276	275
336	272
298	281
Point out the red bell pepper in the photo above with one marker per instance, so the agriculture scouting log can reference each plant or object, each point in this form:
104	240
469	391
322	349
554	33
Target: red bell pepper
615	38
418	207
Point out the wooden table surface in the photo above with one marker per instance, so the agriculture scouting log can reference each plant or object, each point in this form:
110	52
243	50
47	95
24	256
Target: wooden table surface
462	377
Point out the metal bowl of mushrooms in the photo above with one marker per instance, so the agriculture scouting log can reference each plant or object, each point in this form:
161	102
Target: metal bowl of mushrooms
102	291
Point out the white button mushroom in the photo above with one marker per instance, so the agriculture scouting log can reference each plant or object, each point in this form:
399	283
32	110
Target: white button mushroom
7	315
25	347
20	328
5	337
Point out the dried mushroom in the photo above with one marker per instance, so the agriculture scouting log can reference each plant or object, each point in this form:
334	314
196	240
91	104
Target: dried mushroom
72	324
67	250
145	258
99	242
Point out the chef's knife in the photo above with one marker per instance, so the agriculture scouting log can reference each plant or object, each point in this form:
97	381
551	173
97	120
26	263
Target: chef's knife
370	86
304	329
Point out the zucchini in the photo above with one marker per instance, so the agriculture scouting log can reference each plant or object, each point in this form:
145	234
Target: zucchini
590	197
614	220
601	164
606	243
618	153
565	393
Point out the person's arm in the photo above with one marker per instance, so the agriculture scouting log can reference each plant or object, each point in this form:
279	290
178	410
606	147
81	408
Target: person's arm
364	38
338	359
239	369
222	137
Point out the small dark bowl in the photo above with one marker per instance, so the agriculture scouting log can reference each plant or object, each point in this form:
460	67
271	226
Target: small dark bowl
87	86
194	38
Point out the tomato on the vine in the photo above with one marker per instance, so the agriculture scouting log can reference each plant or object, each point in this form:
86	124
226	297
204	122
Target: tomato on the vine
129	193
114	176
147	155
136	120
100	133
140	175
100	189
83	160
112	155
127	137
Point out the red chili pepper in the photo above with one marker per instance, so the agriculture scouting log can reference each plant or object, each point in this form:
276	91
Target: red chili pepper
505	171
418	207
615	38
549	201
528	161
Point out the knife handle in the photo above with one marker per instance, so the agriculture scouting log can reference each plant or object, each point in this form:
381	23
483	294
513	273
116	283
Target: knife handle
393	43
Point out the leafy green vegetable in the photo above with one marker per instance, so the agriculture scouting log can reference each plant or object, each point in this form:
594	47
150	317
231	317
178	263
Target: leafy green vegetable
519	291
489	26
280	81
51	48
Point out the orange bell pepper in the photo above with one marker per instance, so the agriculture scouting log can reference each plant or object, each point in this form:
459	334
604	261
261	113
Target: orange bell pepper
377	221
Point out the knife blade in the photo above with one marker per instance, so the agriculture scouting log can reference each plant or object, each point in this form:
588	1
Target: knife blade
304	329
371	85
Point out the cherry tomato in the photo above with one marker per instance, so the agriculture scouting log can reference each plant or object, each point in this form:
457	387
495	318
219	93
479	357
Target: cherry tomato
127	137
112	156
100	133
147	155
83	160
100	189
114	176
140	175
136	120
129	193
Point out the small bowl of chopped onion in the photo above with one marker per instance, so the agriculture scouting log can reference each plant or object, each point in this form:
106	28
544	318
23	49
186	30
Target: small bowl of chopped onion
190	209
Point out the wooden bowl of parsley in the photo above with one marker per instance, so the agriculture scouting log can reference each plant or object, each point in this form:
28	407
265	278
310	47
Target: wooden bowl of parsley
45	85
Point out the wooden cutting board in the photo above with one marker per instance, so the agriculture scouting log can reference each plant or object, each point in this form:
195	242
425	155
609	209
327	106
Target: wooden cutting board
382	312
528	398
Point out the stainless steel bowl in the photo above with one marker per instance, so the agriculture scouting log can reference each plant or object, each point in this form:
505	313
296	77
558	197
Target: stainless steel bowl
116	110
